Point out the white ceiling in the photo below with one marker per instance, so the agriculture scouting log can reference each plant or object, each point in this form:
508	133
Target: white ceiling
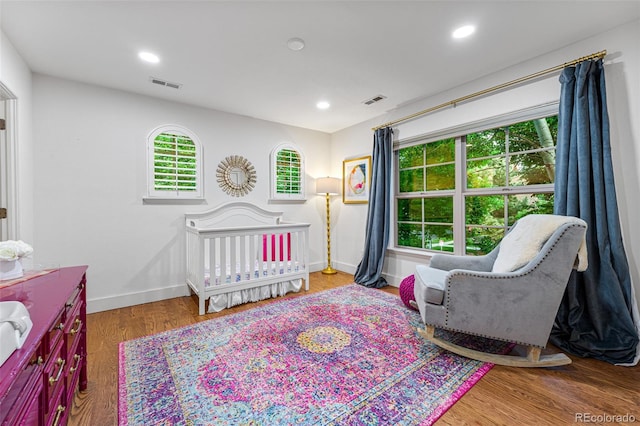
232	55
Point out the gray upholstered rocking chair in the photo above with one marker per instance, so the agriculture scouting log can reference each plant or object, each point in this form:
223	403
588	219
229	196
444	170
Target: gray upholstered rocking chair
511	294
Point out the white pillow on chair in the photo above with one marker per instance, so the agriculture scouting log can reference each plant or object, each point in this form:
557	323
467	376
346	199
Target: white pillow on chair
526	239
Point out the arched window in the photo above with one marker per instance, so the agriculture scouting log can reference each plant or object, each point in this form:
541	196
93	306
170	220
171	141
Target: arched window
174	164
287	173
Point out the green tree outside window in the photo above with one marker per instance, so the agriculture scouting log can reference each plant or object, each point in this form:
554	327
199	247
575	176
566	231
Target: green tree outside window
509	172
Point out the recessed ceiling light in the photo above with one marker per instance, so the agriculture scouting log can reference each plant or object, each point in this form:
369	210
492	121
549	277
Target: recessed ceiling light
464	31
323	105
295	44
149	57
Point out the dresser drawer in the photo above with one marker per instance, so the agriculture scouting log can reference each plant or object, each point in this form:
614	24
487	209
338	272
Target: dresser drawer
73	372
57	415
54	376
75	351
27	384
55	333
30	416
75	297
74	327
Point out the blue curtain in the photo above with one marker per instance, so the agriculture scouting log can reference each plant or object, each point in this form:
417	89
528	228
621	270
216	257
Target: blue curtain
595	317
369	271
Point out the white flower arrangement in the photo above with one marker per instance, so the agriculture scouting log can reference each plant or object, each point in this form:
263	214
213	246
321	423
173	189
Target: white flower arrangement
14	250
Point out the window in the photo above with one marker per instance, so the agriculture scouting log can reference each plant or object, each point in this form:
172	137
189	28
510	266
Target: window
174	164
460	194
287	173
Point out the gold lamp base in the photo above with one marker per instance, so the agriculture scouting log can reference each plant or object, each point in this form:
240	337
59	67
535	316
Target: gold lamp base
329	270
328	186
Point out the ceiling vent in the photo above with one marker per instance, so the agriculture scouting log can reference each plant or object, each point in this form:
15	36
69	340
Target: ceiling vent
374	100
165	83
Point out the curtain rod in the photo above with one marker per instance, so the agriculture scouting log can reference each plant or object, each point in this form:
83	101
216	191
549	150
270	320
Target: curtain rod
597	55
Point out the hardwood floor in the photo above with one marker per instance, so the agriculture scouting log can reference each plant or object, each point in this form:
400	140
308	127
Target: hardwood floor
505	396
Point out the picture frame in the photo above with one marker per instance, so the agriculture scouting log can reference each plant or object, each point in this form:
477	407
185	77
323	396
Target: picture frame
356	180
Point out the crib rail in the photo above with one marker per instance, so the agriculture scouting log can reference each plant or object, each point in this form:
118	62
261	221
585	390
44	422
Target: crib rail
227	259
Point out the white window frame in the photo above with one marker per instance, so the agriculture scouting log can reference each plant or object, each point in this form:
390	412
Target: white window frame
274	195
152	193
460	191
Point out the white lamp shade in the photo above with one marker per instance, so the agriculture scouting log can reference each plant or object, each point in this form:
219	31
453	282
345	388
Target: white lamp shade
328	185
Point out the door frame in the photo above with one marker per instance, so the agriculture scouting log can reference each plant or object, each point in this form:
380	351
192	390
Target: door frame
10	185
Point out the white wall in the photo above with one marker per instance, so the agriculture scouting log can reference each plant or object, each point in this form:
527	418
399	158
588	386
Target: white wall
16	76
90	175
622	68
76	210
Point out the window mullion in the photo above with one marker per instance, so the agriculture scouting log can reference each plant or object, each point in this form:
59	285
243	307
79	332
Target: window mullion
424	172
507	158
458	198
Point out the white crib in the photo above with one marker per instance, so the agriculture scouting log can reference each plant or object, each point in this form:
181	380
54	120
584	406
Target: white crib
239	252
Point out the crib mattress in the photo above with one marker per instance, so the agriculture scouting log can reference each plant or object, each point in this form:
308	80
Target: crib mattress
272	269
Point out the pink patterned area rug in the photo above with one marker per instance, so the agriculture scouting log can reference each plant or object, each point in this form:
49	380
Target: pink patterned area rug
346	356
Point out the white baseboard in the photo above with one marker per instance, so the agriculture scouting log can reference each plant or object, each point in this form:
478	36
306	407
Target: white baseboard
392	280
181	290
345	267
137	298
316	266
153	295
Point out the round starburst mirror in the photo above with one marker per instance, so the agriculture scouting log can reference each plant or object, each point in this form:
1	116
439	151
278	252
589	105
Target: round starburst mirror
236	175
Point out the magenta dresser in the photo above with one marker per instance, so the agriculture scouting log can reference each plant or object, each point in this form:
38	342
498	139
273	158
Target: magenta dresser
38	382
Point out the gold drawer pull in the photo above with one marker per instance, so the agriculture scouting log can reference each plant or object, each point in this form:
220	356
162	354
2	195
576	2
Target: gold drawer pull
77	358
78	324
60	363
59	412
